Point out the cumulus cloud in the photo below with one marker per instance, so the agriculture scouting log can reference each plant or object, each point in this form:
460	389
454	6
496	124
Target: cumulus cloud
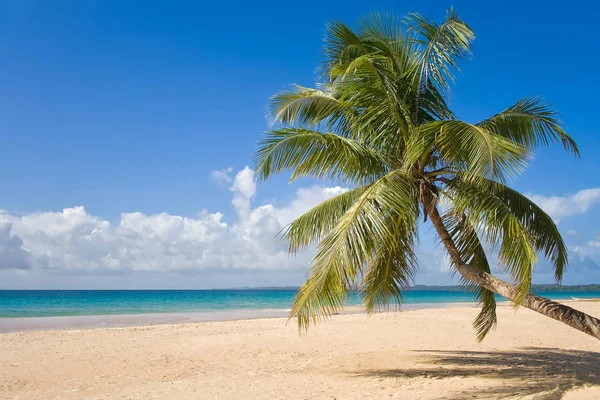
558	207
12	253
73	240
243	188
590	249
222	176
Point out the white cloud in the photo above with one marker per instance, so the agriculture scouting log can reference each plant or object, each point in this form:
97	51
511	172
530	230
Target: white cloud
222	176
12	254
571	232
244	183
75	241
558	207
591	250
243	188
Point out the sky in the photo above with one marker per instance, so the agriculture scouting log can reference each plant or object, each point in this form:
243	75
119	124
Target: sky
127	131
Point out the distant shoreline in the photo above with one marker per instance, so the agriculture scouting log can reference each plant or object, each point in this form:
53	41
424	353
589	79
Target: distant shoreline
538	288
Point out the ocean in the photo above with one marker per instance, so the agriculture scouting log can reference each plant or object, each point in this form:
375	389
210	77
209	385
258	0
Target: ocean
54	303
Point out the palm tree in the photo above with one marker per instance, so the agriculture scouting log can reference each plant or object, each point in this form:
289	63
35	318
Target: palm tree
379	122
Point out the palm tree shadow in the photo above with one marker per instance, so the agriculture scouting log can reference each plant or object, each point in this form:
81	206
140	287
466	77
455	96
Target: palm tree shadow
543	373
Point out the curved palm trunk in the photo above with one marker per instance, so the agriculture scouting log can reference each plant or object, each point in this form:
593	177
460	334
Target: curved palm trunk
560	312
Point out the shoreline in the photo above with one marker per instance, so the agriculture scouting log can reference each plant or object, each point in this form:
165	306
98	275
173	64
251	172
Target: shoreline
68	322
96	321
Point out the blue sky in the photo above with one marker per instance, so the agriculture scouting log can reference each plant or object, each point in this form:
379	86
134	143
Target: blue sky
128	107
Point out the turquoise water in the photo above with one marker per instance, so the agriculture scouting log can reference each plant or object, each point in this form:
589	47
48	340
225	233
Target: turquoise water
46	303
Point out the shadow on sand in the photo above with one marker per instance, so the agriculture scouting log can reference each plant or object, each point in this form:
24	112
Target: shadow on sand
541	373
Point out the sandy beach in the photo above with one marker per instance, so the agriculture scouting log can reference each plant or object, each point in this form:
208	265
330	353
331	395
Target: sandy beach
416	354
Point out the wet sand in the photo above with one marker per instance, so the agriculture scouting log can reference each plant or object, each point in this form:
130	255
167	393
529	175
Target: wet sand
124	320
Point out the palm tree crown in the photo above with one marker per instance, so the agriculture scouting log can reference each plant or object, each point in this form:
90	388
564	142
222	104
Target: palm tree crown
379	122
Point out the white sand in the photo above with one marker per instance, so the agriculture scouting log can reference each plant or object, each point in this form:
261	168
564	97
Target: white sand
419	354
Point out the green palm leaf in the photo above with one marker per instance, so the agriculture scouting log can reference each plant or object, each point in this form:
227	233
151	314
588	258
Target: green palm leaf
320	155
444	46
310	227
531	123
468	244
546	238
310	107
380	89
469	147
341	45
393	268
492	216
352	244
384	33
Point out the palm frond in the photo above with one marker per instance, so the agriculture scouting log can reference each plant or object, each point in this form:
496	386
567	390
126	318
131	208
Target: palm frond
492	216
393	268
471	148
444	45
531	123
311	226
341	46
320	155
379	88
351	245
310	107
472	252
546	238
383	33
